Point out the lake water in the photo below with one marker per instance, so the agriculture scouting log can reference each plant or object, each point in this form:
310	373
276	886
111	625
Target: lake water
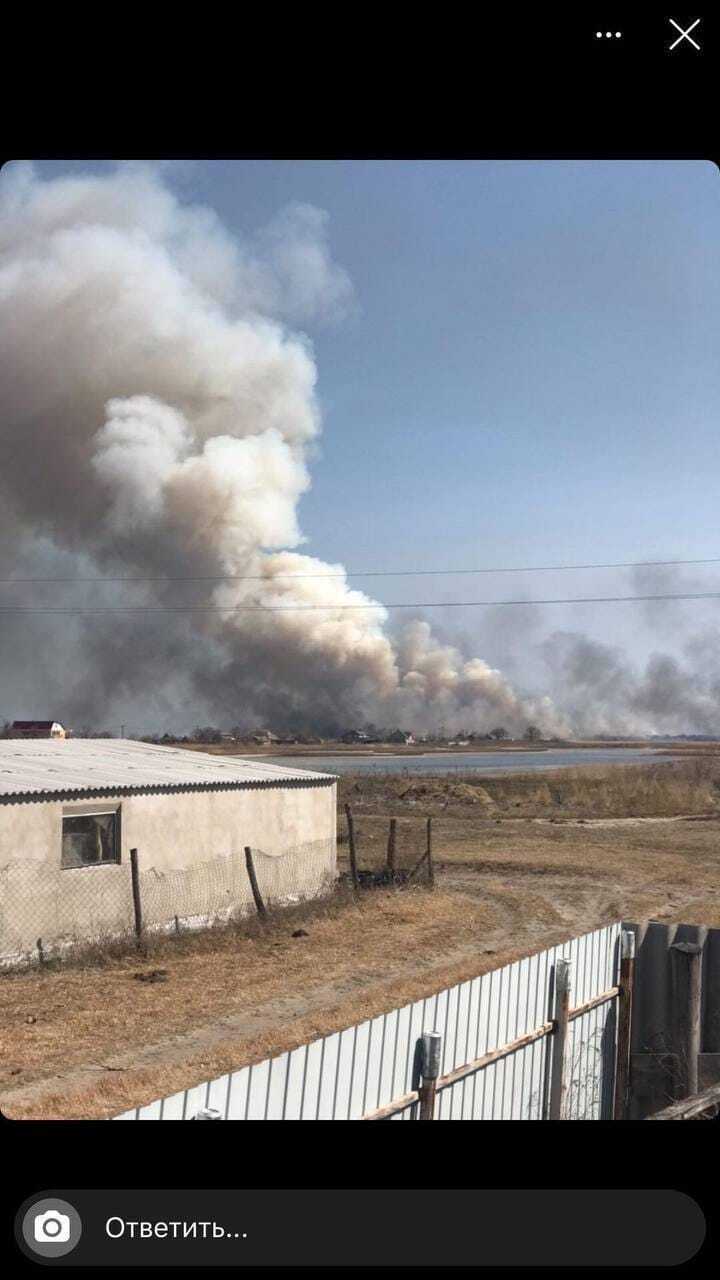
473	762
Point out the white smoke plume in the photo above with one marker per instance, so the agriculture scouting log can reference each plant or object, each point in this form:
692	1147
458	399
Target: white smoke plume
157	420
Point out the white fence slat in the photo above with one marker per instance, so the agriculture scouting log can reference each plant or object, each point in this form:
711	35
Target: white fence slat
294	1083
313	1072
276	1088
357	1088
343	1082
460	1052
217	1095
258	1090
387	1065
236	1104
449	1032
326	1096
402	1042
373	1063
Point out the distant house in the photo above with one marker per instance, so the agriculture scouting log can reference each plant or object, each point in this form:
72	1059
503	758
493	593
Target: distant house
264	736
37	729
399	735
354	736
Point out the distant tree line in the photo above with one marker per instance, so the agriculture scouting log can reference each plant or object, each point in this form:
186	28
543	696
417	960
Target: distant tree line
210	735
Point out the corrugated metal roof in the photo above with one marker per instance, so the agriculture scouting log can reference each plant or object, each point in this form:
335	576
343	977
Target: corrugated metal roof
102	766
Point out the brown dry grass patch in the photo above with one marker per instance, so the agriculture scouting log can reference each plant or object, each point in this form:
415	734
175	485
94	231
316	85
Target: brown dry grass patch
353	964
686	786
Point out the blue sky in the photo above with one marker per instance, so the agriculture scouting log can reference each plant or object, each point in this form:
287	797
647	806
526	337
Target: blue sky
530	374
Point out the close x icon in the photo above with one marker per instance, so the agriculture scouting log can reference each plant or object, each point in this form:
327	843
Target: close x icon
685	33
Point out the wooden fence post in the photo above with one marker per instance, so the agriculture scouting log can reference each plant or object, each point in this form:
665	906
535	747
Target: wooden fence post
261	908
391	847
559	1039
431	1055
686	962
431	869
137	901
351	847
621	1101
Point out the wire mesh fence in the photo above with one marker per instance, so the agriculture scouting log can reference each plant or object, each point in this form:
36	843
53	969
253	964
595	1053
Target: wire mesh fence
46	909
43	906
221	888
396	860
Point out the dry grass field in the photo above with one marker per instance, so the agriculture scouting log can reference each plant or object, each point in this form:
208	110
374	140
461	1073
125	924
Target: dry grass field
522	862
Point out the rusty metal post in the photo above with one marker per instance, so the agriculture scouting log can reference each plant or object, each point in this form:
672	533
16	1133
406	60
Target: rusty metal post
621	1102
431	869
431	1055
686	961
261	908
351	847
559	1038
392	836
137	901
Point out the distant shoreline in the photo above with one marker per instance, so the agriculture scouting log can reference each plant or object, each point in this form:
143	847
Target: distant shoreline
395	750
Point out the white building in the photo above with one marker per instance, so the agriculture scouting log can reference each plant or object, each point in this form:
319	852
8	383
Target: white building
72	809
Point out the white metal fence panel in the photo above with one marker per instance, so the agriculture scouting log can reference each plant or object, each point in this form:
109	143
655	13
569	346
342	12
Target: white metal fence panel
352	1072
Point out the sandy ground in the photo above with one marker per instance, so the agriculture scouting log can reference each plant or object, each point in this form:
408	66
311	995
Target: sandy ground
92	1041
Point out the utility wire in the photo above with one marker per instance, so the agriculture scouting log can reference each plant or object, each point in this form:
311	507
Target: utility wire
337	608
374	573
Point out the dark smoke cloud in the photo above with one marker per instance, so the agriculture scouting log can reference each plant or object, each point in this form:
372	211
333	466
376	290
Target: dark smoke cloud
601	691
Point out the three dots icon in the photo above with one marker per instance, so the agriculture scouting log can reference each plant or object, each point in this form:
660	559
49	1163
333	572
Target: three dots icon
608	35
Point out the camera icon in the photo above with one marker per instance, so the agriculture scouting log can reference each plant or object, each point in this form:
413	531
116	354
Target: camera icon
51	1227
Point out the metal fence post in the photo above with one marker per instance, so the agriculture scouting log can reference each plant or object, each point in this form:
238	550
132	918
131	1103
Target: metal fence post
621	1101
137	901
686	962
391	847
261	908
431	1055
351	847
559	1039
431	869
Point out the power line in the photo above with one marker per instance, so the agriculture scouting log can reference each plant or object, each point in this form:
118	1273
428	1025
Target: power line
374	573
336	608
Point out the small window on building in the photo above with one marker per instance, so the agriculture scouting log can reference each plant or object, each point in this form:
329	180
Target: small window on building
90	839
